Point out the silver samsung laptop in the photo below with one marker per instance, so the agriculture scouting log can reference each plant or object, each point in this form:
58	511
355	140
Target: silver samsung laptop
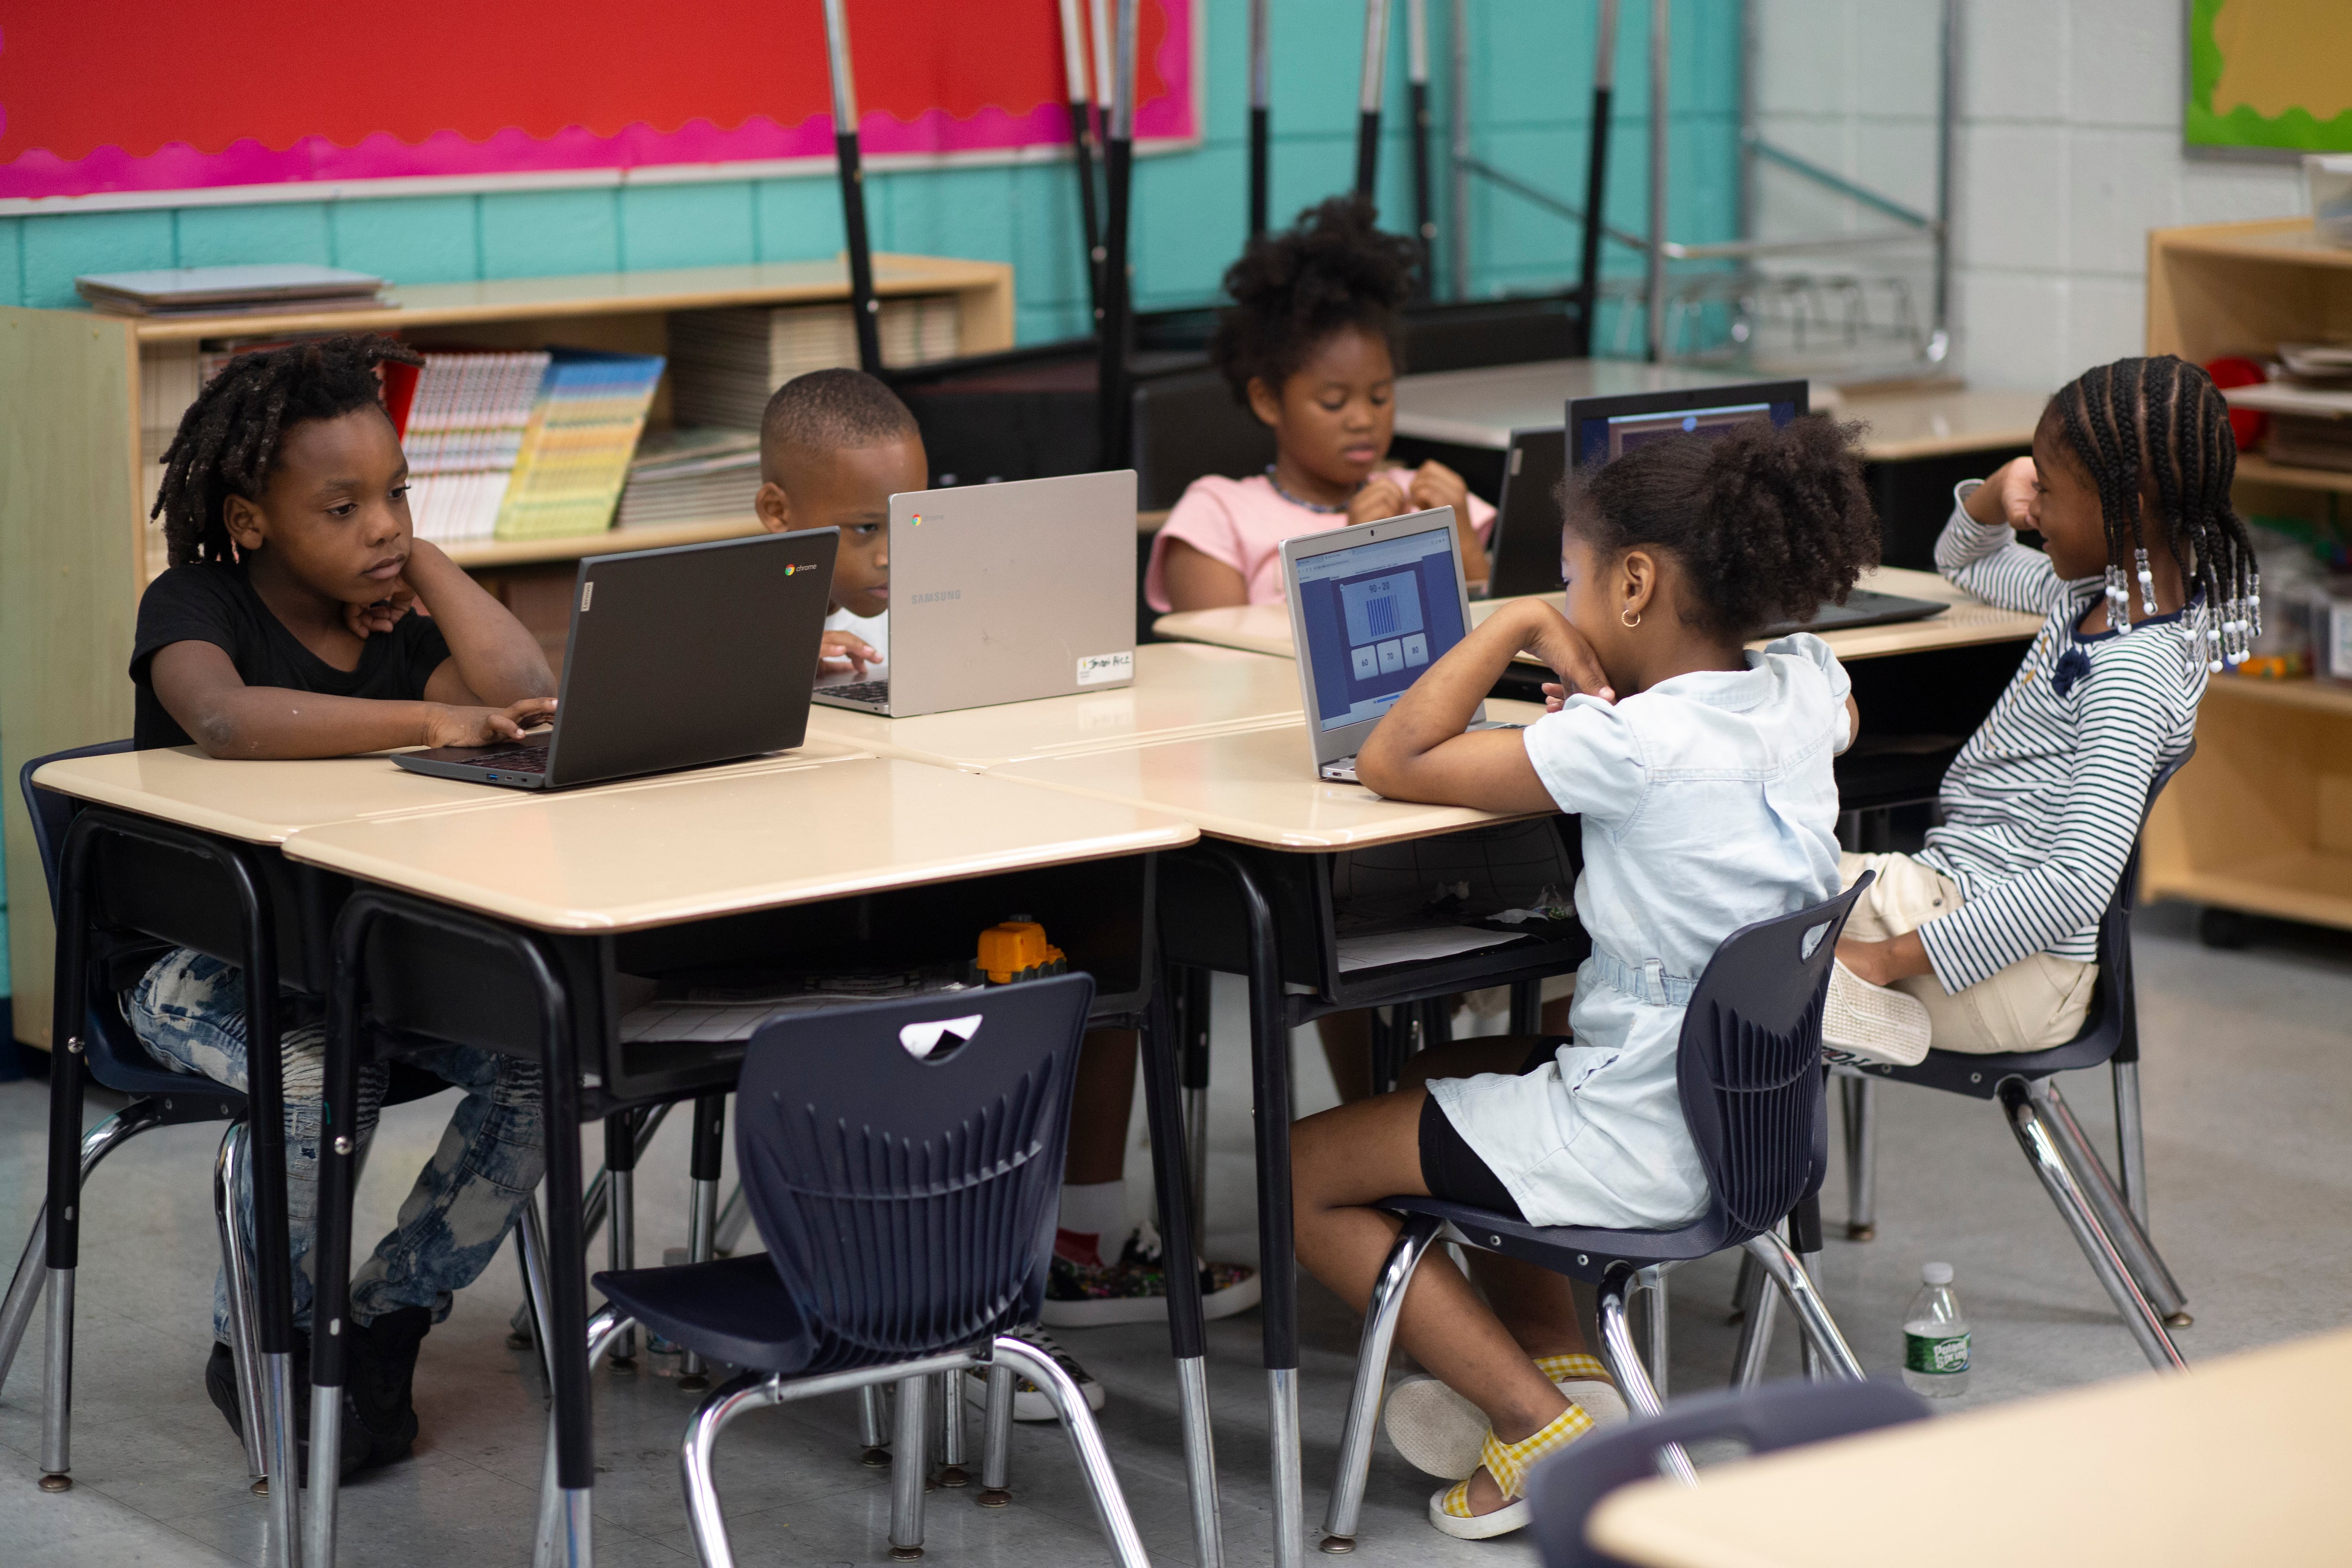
1004	593
1371	608
678	657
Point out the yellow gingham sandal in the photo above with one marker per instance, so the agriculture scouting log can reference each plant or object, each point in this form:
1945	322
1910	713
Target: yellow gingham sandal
1437	1431
1509	1463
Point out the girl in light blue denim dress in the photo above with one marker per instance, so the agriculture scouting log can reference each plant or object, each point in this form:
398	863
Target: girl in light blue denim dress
1700	769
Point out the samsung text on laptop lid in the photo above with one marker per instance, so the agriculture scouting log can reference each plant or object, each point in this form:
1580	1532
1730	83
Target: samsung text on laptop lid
1004	593
678	657
1371	607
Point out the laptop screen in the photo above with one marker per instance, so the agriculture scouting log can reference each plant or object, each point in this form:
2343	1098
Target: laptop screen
1603	434
1377	614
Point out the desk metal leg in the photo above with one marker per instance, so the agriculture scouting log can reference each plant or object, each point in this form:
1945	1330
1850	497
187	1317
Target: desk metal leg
1277	1264
702	1213
621	1227
1171	1172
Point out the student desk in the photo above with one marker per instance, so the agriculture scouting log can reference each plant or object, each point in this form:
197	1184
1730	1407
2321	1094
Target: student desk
1181	689
2239	1460
517	927
1259	902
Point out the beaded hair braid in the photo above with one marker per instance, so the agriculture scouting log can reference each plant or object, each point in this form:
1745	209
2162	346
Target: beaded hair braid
228	440
2163	419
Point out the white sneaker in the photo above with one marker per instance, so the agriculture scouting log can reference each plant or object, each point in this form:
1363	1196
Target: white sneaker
1438	1432
1871	1026
1029	1401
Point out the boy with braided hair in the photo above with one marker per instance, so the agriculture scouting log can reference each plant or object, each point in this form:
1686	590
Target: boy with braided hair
300	617
1986	941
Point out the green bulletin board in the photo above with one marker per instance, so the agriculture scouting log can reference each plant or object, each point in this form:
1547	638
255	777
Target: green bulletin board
2270	74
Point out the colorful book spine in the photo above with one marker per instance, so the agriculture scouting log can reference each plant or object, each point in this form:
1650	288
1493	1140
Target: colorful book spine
575	448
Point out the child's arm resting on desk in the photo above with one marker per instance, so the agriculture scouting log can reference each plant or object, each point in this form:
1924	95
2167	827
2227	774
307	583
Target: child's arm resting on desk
199	686
1419	752
493	661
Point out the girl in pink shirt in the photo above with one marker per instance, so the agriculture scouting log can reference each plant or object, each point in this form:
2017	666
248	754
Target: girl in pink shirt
1308	346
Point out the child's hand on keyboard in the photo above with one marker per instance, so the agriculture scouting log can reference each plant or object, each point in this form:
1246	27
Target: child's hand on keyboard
446	724
846	653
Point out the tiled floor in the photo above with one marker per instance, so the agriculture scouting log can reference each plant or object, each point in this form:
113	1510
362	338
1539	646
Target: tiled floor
2249	1088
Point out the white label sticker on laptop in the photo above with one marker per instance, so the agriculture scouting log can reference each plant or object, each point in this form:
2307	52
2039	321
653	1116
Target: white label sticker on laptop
587	592
1098	668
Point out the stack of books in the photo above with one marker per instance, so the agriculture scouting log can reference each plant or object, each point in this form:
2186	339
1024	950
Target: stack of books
576	450
275	289
724	363
2309	401
461	419
697	475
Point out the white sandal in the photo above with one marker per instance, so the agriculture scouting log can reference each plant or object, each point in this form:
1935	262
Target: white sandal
1871	1026
1509	1463
1438	1432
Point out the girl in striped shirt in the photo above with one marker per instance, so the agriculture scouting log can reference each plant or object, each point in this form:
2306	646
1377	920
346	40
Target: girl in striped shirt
1987	940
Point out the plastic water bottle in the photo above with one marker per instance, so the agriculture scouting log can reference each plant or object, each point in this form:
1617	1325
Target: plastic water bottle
1935	1337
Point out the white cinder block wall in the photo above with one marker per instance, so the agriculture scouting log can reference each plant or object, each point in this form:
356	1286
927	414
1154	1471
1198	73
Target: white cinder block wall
2068	152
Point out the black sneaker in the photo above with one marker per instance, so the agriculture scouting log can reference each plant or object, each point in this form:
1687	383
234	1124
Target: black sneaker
383	1376
220	1385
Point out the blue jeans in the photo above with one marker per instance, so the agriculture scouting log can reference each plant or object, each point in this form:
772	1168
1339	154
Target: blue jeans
189	1009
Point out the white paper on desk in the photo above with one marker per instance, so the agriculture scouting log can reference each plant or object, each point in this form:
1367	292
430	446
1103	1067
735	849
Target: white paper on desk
1416	946
710	1022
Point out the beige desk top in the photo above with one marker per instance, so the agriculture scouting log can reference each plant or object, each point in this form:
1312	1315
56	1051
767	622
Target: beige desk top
1256	786
1266	629
1482	407
2240	1460
1181	689
693	845
264	803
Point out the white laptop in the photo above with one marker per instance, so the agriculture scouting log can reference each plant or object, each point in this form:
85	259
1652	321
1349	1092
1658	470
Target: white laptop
1371	607
1004	593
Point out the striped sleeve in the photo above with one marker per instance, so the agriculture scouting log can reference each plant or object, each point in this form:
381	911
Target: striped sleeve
1988	560
2125	714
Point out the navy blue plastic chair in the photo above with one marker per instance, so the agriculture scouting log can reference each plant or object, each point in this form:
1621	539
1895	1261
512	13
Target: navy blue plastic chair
1750	1082
160	1096
1563	1492
903	1163
2109	1223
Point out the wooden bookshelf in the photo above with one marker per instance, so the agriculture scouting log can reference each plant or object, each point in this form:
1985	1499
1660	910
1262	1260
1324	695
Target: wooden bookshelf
76	551
2261	820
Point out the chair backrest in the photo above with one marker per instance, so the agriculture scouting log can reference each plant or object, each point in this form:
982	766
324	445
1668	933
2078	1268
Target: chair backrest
52	812
1749	1066
1562	1492
909	1202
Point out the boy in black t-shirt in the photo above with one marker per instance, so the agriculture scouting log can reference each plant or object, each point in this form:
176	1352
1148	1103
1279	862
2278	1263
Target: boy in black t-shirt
301	618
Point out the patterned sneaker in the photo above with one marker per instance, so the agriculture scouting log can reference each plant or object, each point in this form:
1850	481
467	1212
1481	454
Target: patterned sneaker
1509	1463
1135	1289
1437	1431
1871	1026
1029	1401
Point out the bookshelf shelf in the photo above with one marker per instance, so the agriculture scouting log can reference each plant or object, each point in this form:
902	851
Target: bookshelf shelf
2262	819
76	551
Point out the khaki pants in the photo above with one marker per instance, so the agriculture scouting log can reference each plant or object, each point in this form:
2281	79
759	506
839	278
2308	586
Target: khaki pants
2034	1004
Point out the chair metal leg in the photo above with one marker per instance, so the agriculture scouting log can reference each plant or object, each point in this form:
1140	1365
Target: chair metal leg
1759	1304
25	1285
872	1428
244	1325
2132	1245
908	1470
1085	1438
734	1219
1654	1287
1812	1314
702	1215
2035	1137
621	1233
1805	1237
531	1235
748	1391
949	1394
2131	1145
1858	1098
1742	1289
1625	1364
1380	1314
996	1440
593	1202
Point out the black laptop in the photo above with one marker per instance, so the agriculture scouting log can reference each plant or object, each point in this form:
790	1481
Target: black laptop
1524	557
678	657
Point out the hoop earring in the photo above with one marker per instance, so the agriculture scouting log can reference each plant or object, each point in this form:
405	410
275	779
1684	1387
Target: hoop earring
1628	625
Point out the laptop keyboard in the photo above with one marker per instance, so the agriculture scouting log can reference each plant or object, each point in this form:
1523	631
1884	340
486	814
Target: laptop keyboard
514	760
860	692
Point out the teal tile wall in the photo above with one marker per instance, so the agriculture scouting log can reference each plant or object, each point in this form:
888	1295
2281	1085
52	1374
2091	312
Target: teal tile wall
1531	67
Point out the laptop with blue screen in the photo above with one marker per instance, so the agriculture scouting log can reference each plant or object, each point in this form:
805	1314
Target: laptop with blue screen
1371	608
